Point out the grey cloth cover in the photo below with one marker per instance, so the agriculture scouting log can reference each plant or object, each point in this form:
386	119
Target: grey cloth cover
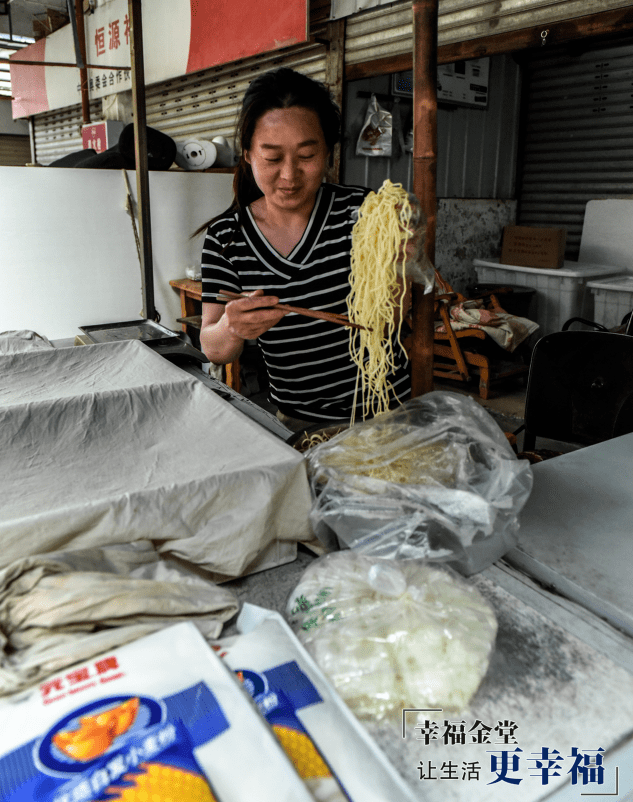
110	444
61	608
13	342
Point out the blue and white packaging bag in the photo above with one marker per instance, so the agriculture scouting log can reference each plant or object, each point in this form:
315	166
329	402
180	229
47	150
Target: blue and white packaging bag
157	718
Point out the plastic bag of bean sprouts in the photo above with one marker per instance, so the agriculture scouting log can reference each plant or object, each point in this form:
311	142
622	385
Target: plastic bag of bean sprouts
393	635
434	479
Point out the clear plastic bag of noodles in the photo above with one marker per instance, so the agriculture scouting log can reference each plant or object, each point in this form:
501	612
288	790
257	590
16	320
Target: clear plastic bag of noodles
393	635
434	479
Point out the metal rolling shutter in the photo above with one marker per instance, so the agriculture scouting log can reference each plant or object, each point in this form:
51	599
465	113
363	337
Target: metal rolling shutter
579	135
59	132
387	30
202	105
15	151
462	20
207	103
380	33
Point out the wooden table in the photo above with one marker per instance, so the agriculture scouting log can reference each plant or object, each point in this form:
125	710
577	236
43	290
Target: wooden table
190	307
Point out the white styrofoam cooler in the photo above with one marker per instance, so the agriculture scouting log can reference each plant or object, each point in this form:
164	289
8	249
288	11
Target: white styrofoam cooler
613	299
560	293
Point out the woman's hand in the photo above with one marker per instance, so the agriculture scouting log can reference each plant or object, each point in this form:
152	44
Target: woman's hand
225	328
250	317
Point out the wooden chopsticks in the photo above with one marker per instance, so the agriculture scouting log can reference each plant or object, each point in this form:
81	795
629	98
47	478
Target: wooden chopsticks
226	295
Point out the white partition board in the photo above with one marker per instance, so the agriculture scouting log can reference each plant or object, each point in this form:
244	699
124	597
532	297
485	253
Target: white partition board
607	233
68	255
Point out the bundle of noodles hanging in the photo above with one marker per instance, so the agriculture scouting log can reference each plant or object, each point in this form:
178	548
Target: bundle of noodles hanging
376	299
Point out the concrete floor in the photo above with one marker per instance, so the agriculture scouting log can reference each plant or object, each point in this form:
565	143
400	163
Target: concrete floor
507	407
506	404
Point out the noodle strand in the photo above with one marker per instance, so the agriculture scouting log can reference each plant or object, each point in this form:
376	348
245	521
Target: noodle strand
379	240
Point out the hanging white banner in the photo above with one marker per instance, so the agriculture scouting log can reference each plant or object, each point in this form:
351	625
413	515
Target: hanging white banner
179	37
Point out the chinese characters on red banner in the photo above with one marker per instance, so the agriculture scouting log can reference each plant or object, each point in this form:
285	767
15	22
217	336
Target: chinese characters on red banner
114	37
110	38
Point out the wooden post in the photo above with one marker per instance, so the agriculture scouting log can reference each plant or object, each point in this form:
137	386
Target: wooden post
425	14
334	72
140	154
83	72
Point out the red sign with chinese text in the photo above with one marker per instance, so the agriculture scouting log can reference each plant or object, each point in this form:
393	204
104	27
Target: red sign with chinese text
101	135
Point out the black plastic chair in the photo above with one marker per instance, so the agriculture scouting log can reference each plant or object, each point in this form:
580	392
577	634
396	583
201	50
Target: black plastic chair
580	388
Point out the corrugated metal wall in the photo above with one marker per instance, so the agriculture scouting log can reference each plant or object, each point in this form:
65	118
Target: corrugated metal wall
202	105
579	134
461	20
207	104
15	151
387	30
380	33
477	148
57	133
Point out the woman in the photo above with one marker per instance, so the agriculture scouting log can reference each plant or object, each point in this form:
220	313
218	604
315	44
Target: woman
287	238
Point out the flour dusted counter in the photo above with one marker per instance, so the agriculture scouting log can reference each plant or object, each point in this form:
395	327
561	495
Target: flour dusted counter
549	688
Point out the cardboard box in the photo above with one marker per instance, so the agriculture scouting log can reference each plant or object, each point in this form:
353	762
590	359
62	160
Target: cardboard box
530	246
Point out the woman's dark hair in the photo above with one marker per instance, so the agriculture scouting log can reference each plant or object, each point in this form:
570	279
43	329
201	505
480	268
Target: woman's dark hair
282	88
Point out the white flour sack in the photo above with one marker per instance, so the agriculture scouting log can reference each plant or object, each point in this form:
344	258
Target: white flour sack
158	719
332	751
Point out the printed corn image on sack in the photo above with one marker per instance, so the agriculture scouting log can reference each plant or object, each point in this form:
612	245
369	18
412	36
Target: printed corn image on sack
330	749
150	763
161	719
279	694
160	782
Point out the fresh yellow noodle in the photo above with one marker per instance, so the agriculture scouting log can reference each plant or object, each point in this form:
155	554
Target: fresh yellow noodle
394	454
316	438
376	299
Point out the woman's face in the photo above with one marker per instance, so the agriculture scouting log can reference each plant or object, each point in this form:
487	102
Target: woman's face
288	157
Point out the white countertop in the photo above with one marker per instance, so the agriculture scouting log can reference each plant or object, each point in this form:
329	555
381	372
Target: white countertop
568	270
577	529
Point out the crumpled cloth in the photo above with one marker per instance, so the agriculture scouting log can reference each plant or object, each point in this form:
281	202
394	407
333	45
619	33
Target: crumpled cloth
508	331
18	341
65	607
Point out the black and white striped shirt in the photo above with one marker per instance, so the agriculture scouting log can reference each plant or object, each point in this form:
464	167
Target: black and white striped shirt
310	371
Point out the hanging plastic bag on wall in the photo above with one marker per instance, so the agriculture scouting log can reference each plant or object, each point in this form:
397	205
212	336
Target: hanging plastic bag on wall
376	134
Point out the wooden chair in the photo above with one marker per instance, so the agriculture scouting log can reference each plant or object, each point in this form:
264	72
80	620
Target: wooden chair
462	355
